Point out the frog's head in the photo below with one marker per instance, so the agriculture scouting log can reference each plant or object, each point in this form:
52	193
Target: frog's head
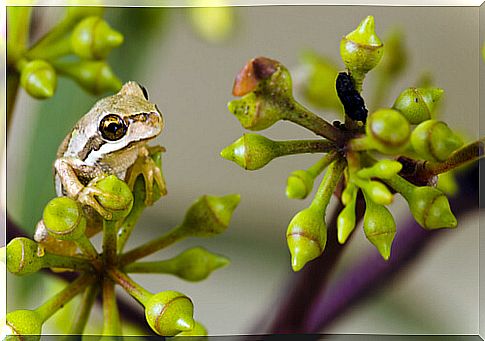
117	123
128	117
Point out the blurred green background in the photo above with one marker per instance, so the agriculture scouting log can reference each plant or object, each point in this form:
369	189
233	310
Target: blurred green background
188	68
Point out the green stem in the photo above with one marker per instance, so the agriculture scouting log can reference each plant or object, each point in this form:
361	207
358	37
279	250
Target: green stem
401	185
328	184
58	31
111	318
152	246
84	310
50	260
87	247
13	82
160	267
124	231
109	241
300	115
302	146
469	153
57	49
18	23
359	143
131	287
52	305
321	164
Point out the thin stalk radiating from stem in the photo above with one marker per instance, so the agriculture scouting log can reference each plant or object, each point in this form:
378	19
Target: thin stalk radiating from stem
134	289
109	242
84	310
305	118
111	318
152	246
56	302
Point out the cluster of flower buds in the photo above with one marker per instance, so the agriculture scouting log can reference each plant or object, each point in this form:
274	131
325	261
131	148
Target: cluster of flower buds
168	312
406	131
76	47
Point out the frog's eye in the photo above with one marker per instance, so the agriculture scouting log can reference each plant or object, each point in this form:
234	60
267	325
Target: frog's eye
112	127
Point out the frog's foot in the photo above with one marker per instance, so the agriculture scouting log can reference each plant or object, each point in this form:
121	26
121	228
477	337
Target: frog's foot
145	166
88	194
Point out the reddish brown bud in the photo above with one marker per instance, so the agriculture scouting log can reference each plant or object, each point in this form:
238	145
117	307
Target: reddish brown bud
252	73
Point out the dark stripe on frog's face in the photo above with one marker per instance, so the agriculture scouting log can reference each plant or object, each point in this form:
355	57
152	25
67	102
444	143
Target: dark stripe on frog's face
94	143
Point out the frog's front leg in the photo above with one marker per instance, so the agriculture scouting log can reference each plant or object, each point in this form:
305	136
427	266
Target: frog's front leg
68	171
145	166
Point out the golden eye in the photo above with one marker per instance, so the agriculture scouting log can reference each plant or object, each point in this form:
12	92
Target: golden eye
112	127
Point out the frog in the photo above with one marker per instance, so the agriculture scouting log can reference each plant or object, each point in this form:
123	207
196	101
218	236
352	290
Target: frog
110	139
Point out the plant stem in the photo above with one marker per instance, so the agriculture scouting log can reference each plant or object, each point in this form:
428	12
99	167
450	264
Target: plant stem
84	310
303	146
51	260
372	273
167	266
152	246
52	305
328	184
300	115
469	153
134	289
109	242
316	169
13	81
124	231
111	318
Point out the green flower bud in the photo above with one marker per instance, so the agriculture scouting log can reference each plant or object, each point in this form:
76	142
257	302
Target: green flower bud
361	50
198	330
388	131
319	84
169	313
434	141
377	192
428	205
383	169
93	38
431	208
21	324
306	236
194	265
209	215
94	76
379	227
255	112
197	263
64	219
22	256
118	199
447	183
346	219
299	184
39	79
265	75
417	104
251	151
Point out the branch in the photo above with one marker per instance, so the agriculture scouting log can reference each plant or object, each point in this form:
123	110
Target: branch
372	273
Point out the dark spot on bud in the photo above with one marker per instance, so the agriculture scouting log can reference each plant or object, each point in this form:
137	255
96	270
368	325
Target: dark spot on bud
264	67
252	73
352	101
416	99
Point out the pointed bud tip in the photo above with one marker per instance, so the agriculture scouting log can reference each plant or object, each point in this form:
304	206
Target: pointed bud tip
365	33
383	243
114	38
303	250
